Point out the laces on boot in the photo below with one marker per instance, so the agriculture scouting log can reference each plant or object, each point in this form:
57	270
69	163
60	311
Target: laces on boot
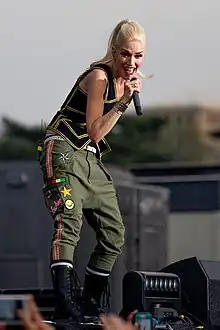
74	283
106	296
77	284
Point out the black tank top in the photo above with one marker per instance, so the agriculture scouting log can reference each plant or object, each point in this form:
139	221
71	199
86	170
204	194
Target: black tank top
70	121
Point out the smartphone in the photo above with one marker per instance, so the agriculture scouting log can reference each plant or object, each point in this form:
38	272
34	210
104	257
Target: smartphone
144	321
9	306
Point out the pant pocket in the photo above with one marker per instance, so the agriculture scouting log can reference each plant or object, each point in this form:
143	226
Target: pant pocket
105	171
53	200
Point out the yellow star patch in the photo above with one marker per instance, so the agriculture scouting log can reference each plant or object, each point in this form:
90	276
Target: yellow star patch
66	192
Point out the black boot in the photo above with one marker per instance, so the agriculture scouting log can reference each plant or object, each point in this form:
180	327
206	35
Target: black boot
95	286
64	283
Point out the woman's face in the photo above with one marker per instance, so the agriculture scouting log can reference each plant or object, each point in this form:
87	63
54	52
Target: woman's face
128	57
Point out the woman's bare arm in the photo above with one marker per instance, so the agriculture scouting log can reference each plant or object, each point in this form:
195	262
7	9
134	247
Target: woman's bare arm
98	126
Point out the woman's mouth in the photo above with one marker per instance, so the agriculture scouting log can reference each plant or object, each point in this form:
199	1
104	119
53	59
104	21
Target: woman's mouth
129	70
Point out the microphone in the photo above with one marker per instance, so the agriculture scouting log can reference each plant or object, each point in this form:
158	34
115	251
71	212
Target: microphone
137	102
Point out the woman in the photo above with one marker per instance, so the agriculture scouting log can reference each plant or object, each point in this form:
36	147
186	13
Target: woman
76	182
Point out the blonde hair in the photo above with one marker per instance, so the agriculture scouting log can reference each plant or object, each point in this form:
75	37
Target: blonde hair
124	30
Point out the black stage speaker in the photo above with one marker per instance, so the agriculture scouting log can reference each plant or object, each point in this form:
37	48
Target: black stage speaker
200	283
142	291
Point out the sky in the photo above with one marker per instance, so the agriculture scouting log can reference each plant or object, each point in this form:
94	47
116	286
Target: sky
46	44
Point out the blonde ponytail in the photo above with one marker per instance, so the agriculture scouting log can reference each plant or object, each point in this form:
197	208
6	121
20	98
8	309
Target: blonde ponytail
107	59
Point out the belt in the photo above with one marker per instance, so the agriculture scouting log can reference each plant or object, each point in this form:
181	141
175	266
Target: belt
90	148
57	137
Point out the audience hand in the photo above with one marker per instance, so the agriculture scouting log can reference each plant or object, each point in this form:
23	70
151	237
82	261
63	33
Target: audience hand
113	322
31	318
130	317
2	326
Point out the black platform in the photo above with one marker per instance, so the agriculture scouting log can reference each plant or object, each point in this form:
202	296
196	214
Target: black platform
68	325
45	300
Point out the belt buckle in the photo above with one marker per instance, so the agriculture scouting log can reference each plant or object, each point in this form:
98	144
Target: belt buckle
92	149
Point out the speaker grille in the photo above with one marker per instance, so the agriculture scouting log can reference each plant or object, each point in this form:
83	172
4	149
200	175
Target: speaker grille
214	302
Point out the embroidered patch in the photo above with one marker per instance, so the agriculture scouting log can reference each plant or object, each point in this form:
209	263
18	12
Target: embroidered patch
69	204
60	180
64	157
54	201
65	192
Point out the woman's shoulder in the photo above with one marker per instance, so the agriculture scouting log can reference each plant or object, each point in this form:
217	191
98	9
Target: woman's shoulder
98	74
100	71
94	76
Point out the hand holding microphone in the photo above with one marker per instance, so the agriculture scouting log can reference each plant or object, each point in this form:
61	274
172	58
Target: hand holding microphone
131	91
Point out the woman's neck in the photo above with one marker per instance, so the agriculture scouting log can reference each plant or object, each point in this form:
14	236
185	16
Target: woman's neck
119	80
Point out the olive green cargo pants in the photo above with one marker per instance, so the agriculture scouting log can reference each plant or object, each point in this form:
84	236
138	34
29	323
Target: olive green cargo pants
76	183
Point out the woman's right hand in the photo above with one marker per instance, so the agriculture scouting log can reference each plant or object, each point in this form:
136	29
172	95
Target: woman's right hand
129	87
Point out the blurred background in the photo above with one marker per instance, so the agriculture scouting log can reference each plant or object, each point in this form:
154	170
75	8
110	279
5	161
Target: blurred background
166	163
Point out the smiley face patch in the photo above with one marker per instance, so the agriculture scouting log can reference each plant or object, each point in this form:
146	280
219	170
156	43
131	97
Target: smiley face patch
69	203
